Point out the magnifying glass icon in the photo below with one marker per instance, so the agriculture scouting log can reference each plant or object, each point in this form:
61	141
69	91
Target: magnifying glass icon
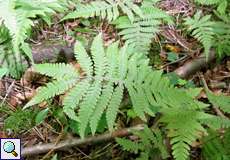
9	147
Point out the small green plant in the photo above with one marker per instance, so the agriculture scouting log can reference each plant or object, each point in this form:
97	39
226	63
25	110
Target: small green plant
150	144
203	29
222	4
143	29
20	120
102	87
216	146
3	72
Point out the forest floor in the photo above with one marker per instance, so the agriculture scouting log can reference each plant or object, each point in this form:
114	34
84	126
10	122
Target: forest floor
172	50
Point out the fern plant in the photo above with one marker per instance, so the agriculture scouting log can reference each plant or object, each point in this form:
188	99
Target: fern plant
222	4
108	9
216	146
202	28
3	72
141	31
222	39
150	144
16	16
181	113
101	89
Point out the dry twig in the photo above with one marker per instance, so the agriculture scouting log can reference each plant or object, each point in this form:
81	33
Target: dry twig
43	148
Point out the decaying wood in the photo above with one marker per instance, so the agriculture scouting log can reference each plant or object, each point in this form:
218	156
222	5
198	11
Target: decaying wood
195	65
55	52
52	52
71	142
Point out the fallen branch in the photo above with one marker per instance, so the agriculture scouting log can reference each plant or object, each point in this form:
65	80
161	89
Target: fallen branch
71	142
59	51
52	52
193	66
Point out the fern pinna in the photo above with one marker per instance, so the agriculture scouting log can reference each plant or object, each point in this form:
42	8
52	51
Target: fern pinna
143	29
108	9
216	146
203	29
221	4
150	144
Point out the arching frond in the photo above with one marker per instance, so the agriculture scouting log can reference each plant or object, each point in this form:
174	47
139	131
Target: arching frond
108	9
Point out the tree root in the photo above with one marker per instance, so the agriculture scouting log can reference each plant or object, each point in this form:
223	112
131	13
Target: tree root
71	142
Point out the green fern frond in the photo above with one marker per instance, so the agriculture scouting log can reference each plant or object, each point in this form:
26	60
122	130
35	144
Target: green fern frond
83	58
57	71
112	109
141	31
112	58
150	144
103	84
222	5
221	101
101	106
208	2
88	105
216	146
3	71
215	122
73	98
184	128
128	145
52	89
137	101
4	34
108	9
202	29
98	55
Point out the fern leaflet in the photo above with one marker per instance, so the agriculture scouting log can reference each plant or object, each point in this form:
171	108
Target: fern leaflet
108	9
141	31
202	29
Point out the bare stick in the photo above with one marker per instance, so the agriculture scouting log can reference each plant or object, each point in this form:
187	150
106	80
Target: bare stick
195	65
43	148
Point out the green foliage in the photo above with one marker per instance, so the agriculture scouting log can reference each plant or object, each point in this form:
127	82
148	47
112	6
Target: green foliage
108	9
100	89
221	101
222	39
183	116
3	72
41	116
93	95
143	29
202	29
16	16
19	120
216	146
4	34
150	144
222	4
211	33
